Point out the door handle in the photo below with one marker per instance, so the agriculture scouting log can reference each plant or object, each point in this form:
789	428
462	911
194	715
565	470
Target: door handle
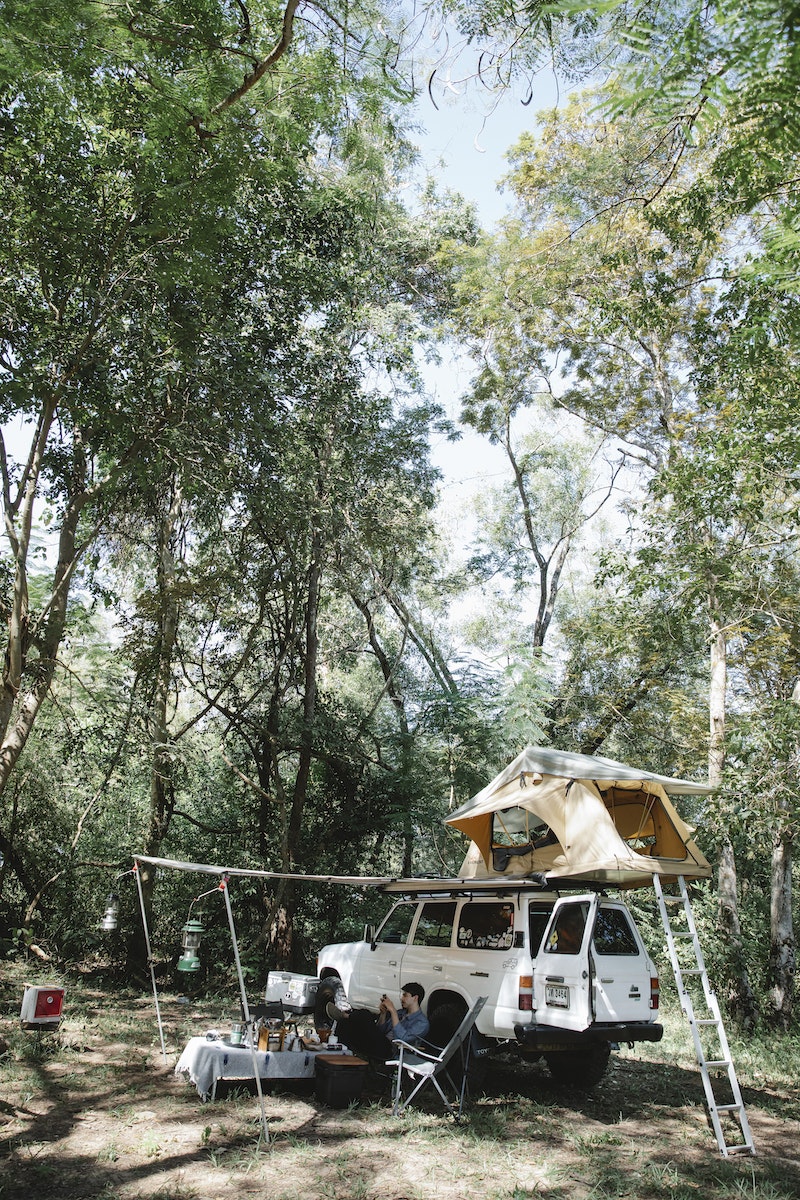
480	974
437	968
392	962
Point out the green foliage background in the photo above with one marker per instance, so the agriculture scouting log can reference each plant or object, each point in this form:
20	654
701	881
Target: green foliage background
214	318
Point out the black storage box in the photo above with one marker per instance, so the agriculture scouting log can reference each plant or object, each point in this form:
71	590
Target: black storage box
338	1079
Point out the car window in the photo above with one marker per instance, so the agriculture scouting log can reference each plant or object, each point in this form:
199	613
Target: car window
396	926
613	933
567	933
486	926
538	920
435	924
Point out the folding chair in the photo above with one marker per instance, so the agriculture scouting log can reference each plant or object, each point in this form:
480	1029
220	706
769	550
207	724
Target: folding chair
430	1068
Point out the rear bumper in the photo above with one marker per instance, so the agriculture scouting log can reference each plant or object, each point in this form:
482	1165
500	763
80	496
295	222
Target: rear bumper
537	1036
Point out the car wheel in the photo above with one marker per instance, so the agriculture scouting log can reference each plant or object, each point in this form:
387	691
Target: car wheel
444	1021
581	1068
330	990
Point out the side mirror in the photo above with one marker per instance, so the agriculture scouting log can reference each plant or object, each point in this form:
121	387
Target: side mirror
369	935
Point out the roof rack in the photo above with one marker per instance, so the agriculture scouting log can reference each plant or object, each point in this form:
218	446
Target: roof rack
434	885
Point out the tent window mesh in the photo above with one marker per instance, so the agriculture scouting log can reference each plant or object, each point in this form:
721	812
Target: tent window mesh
517	828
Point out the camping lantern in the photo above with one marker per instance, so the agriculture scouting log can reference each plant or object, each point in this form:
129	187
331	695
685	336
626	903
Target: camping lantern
192	935
111	915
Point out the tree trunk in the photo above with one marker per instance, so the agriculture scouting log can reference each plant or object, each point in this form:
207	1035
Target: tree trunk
18	712
309	700
741	1001
283	935
782	942
406	737
18	517
162	799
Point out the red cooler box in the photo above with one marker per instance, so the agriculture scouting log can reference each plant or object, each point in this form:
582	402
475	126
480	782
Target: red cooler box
41	1007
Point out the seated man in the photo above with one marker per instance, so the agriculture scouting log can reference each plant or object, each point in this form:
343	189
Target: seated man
359	1030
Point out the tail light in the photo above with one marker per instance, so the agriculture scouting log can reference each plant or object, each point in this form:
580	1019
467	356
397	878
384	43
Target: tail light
654	991
525	998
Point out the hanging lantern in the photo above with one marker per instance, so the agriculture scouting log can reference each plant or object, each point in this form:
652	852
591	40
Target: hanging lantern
111	915
192	934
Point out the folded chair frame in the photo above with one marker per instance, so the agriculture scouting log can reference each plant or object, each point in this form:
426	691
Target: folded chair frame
430	1068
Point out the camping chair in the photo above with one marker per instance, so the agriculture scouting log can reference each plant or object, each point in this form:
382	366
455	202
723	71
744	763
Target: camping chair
429	1068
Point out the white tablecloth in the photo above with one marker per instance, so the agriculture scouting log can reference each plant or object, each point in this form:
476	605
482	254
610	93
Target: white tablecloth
205	1062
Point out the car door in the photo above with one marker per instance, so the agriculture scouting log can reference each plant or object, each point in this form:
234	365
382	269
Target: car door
562	978
622	968
427	956
377	972
479	964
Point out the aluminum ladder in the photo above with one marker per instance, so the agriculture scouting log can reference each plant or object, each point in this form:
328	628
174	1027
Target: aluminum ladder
708	1032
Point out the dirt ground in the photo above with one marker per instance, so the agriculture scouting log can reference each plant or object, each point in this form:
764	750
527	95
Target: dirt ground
93	1111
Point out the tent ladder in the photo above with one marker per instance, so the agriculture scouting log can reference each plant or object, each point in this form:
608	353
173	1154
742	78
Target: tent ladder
701	1009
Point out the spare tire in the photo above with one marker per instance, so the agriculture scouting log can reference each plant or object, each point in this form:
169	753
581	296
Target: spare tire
330	990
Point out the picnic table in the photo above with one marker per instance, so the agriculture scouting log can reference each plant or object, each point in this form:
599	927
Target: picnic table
208	1060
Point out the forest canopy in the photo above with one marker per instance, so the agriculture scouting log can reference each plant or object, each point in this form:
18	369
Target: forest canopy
235	626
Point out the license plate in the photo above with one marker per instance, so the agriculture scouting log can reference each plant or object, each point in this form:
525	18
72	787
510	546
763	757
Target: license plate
556	995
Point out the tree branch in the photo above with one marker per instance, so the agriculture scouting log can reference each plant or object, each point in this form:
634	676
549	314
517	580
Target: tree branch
260	69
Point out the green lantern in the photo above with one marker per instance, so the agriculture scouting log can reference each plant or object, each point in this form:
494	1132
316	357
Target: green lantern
192	934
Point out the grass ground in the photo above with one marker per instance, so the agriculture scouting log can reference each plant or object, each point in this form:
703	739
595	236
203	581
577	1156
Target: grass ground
93	1113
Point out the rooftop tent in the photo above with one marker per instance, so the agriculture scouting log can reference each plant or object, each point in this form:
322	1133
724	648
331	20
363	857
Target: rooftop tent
579	817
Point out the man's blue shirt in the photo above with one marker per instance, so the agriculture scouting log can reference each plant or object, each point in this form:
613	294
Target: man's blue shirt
412	1028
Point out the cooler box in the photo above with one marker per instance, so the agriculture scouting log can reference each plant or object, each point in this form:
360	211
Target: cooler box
297	993
41	1007
338	1079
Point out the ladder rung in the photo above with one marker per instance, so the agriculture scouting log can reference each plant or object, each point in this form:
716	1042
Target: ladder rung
683	975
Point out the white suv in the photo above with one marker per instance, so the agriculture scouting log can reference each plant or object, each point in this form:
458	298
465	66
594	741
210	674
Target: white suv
565	976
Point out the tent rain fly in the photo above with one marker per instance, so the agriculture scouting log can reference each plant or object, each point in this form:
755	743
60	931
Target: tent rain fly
580	817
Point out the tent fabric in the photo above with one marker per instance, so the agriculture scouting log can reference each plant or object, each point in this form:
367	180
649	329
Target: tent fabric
581	817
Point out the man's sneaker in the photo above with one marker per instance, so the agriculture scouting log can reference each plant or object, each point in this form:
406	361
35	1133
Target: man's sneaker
336	1014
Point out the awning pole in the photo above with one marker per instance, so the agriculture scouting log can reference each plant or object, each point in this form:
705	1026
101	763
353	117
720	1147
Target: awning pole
245	1009
150	962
